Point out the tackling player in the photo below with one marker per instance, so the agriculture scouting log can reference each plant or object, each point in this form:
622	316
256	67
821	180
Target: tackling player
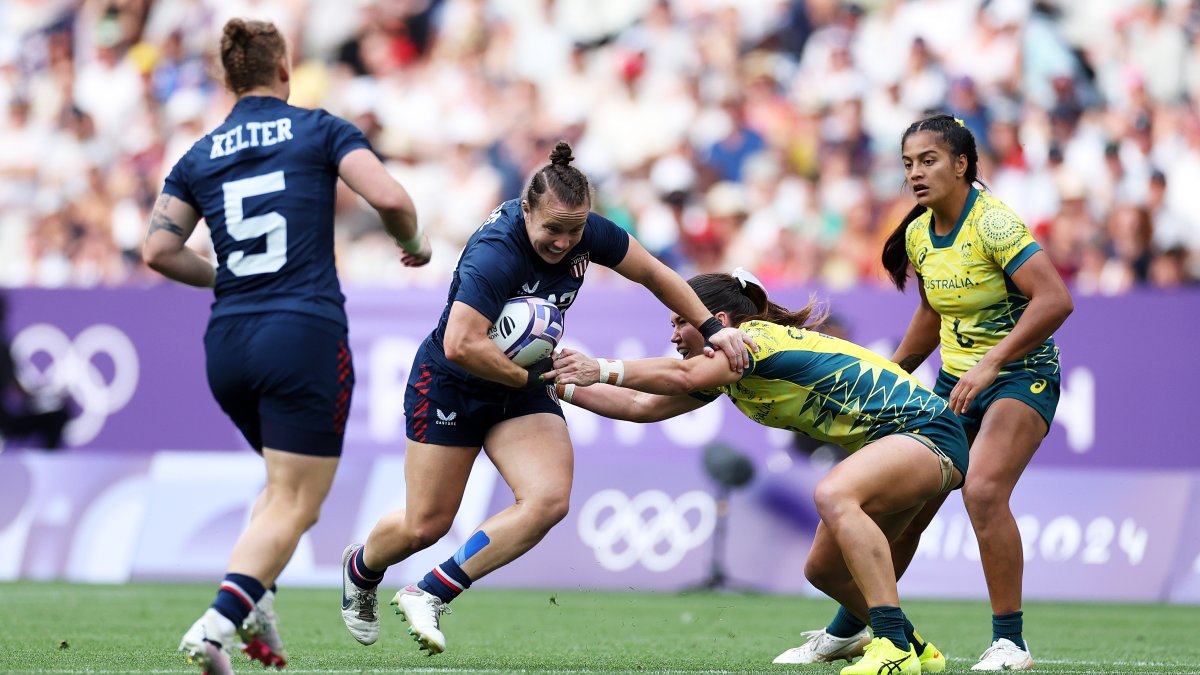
906	447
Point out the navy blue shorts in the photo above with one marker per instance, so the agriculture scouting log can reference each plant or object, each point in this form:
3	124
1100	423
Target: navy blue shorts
441	408
284	379
1038	387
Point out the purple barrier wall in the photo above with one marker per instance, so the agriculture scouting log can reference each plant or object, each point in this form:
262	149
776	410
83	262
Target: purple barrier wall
1110	508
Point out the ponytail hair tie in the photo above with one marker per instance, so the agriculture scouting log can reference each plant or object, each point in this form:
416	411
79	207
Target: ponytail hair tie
960	123
744	277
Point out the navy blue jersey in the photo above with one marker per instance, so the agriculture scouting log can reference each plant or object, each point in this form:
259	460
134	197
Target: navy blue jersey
499	263
264	181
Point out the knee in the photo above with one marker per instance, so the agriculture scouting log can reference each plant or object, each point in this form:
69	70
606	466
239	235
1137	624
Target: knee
546	512
984	497
832	501
822	576
301	513
426	534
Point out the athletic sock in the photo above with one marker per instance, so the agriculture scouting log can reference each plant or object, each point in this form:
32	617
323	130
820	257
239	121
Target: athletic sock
888	622
360	575
446	581
844	624
237	597
1009	626
914	638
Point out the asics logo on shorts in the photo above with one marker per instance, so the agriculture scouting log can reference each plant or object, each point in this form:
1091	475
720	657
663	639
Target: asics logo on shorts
1037	386
79	368
651	528
446	418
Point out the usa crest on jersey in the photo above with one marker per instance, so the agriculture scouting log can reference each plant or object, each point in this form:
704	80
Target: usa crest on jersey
579	265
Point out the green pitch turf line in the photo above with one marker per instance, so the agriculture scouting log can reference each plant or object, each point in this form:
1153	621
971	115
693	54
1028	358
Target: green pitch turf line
135	628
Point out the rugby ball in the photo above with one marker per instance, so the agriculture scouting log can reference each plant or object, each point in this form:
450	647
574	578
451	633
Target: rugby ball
527	330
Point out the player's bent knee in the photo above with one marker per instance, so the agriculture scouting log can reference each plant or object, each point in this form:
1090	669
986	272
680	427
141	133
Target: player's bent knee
984	497
558	508
548	512
424	535
832	500
823	576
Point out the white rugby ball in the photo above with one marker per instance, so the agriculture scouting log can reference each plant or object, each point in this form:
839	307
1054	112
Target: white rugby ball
527	330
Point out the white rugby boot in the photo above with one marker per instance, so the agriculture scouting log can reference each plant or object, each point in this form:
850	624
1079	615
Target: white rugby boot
260	633
360	609
209	642
822	647
422	611
1004	654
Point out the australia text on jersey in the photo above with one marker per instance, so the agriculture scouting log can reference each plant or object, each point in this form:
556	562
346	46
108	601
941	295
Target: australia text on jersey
256	134
956	282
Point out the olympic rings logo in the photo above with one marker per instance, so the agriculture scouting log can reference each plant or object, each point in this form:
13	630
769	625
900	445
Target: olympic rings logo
75	369
652	528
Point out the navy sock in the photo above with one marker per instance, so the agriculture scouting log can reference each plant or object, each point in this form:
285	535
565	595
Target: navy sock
445	581
360	575
914	638
888	622
237	597
844	624
1009	626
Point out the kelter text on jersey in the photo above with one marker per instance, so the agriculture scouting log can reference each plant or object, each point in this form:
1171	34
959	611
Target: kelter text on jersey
254	135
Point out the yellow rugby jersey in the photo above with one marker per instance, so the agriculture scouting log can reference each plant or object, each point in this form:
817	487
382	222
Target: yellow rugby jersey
967	277
827	388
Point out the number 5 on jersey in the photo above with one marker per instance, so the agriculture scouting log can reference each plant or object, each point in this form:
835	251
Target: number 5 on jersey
272	224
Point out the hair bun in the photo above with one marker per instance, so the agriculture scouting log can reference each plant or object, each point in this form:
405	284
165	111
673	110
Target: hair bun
236	30
561	154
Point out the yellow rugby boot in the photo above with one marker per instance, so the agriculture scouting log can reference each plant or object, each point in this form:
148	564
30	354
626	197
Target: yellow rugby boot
932	660
881	657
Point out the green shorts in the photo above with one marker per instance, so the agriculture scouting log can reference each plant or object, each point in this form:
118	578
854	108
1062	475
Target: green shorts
1037	387
945	436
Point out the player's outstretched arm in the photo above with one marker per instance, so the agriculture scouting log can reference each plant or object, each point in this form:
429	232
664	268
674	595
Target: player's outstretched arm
171	223
670	288
367	176
664	376
626	404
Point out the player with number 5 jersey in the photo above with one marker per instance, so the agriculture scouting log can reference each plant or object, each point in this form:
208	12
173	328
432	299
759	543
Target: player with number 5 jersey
277	349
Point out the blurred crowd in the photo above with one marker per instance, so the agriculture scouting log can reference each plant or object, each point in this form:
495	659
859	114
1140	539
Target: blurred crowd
761	133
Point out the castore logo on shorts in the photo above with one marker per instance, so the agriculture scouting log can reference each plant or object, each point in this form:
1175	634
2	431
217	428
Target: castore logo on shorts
51	364
651	528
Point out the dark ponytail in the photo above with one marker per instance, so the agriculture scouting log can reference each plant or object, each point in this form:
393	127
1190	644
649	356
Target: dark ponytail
961	142
745	300
563	180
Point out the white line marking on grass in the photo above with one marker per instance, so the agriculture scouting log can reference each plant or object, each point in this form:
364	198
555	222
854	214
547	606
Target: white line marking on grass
1084	664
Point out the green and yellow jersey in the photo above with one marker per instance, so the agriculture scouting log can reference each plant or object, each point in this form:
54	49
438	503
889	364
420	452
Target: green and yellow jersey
830	389
967	277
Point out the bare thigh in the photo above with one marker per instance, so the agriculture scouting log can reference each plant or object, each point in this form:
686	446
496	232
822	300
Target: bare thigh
533	454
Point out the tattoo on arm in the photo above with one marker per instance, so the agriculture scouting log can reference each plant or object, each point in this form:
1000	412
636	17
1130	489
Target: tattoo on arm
161	221
910	362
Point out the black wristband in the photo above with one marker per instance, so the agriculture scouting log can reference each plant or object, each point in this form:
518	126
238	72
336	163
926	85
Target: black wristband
710	328
536	370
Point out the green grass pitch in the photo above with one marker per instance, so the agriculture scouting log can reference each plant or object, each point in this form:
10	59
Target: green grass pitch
73	628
